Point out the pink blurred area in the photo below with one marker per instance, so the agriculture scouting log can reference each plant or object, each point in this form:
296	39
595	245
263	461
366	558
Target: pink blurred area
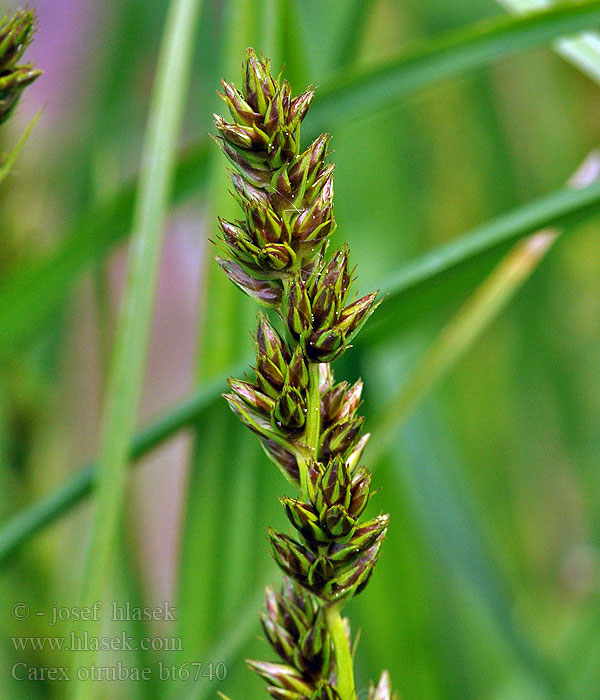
156	493
68	32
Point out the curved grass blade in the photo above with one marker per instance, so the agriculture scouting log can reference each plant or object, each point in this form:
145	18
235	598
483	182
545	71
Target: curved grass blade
448	56
35	517
474	254
128	360
583	50
29	296
9	161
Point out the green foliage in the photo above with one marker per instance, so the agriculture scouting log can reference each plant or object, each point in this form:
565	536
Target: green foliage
480	368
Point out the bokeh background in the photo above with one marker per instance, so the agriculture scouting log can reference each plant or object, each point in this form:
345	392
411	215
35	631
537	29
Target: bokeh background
488	586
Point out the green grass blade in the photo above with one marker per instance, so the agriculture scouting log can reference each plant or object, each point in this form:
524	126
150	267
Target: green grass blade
460	333
9	161
409	289
30	295
35	517
583	51
128	360
448	56
217	476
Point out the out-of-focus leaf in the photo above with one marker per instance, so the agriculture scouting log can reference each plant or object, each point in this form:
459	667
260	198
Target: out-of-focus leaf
129	353
459	334
422	463
292	47
446	274
450	55
350	33
227	646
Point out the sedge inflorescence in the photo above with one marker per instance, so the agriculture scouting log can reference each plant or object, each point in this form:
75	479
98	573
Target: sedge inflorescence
277	253
15	35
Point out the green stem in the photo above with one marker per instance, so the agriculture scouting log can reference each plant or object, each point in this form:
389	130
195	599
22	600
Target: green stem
335	624
343	655
312	428
313	410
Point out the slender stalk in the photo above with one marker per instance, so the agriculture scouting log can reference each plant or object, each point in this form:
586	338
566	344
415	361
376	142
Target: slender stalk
128	357
343	654
313	426
335	624
313	411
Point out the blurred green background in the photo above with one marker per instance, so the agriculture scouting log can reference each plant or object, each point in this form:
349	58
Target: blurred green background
488	586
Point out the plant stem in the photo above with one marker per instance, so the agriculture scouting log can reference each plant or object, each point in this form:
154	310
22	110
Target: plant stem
343	655
313	410
312	429
133	328
335	624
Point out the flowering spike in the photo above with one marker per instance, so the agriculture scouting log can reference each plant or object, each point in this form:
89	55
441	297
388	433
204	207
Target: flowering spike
308	425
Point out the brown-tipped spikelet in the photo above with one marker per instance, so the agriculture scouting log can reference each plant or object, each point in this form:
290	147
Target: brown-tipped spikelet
286	196
317	315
